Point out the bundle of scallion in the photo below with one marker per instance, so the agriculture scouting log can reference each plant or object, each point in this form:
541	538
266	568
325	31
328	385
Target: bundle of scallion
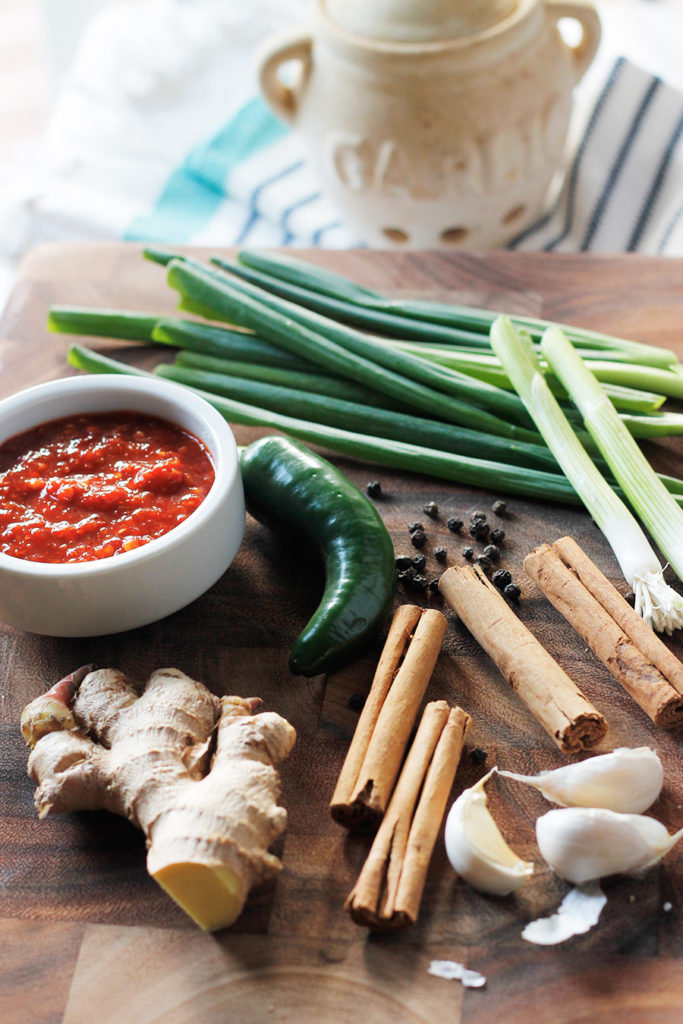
262	358
658	603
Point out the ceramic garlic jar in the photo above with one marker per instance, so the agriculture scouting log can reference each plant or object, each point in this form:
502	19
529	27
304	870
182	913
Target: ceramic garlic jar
432	123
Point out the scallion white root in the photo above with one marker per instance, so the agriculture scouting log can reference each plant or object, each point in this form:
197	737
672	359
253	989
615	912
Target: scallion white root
658	603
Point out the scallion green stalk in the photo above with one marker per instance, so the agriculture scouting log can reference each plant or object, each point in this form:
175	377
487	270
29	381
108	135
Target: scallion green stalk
325	407
657	424
284	267
342	351
442	450
625	385
658	603
302	380
103	323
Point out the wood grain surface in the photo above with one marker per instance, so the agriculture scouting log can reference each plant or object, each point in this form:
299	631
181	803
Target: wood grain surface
86	935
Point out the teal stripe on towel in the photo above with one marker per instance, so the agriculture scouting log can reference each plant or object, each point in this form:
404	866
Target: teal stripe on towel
196	189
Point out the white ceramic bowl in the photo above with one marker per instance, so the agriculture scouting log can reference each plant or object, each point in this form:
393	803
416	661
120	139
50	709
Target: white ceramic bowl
133	588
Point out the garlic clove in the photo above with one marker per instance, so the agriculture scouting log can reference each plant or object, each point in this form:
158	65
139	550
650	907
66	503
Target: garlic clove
581	844
627	780
476	848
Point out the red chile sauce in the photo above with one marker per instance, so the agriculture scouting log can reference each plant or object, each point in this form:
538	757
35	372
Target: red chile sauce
90	486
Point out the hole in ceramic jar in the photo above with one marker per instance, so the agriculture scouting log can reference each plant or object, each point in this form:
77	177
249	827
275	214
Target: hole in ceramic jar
395	234
514	214
451	236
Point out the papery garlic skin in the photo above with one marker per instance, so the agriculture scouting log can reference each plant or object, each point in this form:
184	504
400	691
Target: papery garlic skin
581	843
627	780
578	912
477	850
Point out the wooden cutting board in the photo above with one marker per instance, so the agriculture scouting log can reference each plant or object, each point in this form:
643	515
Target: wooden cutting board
85	935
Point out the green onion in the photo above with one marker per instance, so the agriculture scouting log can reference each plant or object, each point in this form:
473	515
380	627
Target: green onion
102	323
190	334
220	341
308	395
395	454
463	324
352	415
224	343
448	381
657	424
632	398
317	383
377	321
304	275
657	510
658	603
202	293
666	382
214	340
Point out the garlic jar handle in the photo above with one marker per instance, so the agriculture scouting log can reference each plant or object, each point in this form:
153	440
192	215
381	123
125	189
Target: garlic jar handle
273	53
587	16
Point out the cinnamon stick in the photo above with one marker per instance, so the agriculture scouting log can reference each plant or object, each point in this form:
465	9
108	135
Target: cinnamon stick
613	630
389	889
379	742
551	696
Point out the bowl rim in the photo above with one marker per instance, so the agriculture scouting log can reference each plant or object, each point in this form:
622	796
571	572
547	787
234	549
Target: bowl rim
222	449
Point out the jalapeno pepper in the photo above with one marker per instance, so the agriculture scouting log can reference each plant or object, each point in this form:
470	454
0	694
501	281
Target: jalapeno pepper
289	488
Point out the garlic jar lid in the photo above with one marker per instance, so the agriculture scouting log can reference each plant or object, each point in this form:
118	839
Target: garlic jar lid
416	21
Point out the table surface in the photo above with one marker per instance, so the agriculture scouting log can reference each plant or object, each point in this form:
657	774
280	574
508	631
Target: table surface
86	934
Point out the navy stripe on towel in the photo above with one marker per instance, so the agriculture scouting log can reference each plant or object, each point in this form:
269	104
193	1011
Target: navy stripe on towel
253	215
653	194
576	166
619	162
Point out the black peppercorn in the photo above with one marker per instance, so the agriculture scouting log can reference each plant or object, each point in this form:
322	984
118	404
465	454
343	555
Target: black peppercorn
419	561
512	591
478	515
434	584
468	553
499	508
403	562
405	575
412	527
479	530
497	536
501	578
454	524
440	554
417	582
483	562
492	552
373	489
357	702
431	509
418	538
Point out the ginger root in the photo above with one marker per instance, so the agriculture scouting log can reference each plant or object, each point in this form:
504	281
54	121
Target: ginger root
99	744
51	712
